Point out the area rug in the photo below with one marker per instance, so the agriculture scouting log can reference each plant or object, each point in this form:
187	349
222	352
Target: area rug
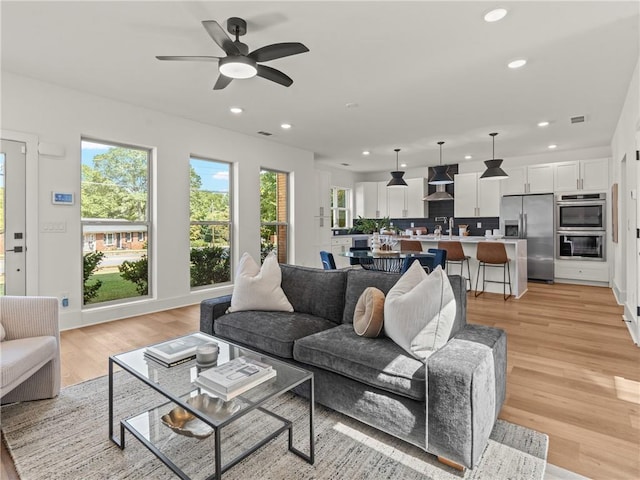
67	438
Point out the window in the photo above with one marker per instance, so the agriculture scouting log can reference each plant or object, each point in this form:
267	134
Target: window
274	214
114	204
141	236
210	228
340	207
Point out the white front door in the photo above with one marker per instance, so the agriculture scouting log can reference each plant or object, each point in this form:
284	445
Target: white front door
12	218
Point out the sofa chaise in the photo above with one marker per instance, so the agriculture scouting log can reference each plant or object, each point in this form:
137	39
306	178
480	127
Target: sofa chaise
447	407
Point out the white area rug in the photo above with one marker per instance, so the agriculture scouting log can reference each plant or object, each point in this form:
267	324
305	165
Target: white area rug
67	438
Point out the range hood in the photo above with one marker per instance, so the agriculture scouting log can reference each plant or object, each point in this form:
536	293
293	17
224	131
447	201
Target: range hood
439	195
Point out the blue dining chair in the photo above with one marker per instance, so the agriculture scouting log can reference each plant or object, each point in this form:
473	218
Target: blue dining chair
440	257
328	263
425	260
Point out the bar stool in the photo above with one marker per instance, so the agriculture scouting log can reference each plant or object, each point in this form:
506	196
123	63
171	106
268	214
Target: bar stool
493	254
455	254
410	246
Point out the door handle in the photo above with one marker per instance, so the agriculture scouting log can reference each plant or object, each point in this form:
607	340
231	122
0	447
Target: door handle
15	250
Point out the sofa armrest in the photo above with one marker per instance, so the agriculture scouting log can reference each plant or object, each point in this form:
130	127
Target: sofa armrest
210	310
24	317
465	392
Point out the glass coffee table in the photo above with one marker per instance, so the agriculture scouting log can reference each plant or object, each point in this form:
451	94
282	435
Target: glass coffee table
176	394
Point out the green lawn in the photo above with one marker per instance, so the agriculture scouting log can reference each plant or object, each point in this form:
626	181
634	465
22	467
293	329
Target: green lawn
114	287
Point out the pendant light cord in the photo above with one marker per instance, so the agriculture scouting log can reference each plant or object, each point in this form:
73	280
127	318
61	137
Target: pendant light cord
397	150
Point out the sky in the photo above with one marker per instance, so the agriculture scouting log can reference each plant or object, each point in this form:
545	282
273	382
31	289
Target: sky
214	175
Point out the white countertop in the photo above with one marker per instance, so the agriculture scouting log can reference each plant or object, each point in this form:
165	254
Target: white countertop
466	239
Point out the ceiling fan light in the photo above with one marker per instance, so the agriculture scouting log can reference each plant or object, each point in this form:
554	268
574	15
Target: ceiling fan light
237	66
493	171
397	180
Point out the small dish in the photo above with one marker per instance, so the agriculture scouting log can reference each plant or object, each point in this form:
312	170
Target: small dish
185	423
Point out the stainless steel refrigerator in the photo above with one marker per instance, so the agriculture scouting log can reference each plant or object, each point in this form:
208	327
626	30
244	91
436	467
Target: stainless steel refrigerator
530	217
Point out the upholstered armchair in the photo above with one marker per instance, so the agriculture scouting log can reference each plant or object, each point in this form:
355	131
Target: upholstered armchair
30	351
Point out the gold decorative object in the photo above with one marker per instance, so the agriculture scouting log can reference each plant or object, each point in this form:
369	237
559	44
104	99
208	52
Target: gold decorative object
185	423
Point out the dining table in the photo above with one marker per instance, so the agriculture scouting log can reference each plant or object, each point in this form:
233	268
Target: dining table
386	260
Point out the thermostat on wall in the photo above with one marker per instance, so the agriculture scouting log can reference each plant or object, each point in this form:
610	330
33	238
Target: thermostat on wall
61	198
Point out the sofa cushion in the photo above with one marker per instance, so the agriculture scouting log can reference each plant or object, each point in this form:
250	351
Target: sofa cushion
357	281
377	362
368	317
420	310
315	291
258	288
22	357
270	332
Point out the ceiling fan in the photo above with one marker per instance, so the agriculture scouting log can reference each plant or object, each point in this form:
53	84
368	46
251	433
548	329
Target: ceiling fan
239	63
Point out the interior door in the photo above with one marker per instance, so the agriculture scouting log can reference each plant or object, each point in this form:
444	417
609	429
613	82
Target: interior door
13	218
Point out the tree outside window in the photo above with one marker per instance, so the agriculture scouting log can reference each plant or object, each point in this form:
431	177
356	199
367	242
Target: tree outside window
114	206
274	214
210	227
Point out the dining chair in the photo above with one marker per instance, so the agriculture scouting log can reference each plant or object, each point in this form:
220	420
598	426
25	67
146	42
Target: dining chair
440	257
410	245
428	262
493	254
328	262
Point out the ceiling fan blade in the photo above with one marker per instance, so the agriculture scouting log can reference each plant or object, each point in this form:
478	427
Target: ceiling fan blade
274	75
190	58
277	50
219	36
222	82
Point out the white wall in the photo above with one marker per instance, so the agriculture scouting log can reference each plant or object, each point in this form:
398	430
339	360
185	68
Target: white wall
625	142
62	116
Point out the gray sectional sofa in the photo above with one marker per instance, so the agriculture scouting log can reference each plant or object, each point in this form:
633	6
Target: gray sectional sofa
448	408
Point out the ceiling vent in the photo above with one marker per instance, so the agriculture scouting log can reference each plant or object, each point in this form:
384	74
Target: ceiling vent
578	119
266	134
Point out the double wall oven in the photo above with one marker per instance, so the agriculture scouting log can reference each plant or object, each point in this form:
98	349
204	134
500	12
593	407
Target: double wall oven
581	227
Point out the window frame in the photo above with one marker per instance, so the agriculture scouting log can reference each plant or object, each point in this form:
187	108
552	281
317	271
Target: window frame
214	223
287	224
335	211
148	224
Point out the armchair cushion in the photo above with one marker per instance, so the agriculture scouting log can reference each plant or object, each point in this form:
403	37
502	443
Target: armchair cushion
23	357
2	333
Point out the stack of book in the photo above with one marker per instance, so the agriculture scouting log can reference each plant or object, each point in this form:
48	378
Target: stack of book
234	377
176	351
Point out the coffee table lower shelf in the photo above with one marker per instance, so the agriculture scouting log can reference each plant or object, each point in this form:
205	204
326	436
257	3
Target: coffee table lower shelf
134	426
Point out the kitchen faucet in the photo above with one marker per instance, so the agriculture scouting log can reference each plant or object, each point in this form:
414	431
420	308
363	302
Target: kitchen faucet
450	226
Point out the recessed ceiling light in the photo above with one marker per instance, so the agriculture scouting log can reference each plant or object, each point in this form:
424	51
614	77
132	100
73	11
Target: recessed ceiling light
403	165
468	157
351	105
366	152
552	146
236	110
495	15
517	63
543	124
285	126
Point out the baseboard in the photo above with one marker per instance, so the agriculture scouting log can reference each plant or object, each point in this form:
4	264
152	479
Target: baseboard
621	295
631	321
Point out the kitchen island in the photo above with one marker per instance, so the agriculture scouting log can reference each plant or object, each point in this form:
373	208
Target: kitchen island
516	252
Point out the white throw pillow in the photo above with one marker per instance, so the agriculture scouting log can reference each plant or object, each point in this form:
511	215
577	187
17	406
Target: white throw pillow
419	311
259	288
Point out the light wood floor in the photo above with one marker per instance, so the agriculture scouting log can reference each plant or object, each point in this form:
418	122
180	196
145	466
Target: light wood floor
574	372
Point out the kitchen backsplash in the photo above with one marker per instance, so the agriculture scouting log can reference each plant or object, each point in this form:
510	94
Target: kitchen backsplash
487	223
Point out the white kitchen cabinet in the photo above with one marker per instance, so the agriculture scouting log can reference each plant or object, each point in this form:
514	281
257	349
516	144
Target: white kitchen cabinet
582	175
529	179
341	244
475	197
323	194
414	195
383	200
367	199
581	271
396	200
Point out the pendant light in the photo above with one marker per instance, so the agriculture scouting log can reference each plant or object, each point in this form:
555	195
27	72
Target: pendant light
441	175
493	171
396	177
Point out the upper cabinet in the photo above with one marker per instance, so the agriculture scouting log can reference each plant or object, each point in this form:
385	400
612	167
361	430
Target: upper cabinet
323	194
582	175
475	197
530	179
376	200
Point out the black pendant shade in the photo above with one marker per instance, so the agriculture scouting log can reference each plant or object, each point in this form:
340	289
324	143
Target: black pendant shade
396	177
493	171
441	175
